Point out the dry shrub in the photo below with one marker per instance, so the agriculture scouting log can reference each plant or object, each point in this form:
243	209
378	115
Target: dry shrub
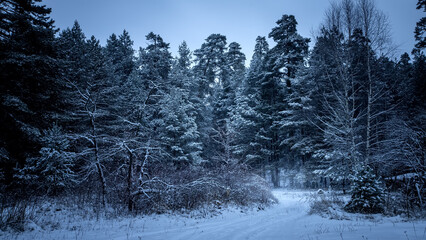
16	216
194	188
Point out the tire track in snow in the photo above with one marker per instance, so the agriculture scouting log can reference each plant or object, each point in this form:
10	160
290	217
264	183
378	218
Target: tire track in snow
271	223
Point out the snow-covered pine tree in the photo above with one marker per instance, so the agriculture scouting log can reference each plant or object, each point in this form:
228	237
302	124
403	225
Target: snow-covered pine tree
368	195
119	52
282	62
301	137
29	88
335	113
86	103
235	58
180	135
53	170
296	130
225	100
294	50
209	71
210	63
235	73
245	117
154	66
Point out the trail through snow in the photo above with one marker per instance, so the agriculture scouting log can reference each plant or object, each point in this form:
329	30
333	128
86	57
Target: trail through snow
286	220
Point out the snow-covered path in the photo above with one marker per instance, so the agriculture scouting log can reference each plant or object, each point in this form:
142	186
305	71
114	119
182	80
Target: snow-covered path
289	220
286	220
273	223
237	225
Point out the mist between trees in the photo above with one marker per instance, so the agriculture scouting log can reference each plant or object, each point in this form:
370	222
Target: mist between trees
150	132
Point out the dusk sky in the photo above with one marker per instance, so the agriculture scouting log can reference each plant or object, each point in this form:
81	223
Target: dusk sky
194	20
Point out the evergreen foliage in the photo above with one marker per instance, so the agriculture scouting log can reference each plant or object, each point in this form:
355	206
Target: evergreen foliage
420	29
53	170
28	88
79	116
367	193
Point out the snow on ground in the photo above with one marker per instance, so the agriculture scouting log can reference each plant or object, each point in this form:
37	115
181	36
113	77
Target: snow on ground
286	220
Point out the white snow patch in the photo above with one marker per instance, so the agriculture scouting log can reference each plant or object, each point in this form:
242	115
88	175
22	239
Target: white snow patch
286	220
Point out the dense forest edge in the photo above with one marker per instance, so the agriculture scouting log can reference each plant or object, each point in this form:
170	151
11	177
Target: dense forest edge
145	132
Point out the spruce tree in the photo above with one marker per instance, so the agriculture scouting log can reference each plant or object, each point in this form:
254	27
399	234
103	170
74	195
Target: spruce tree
420	29
245	116
210	63
28	88
282	62
210	72
119	52
154	67
180	136
333	99
87	103
53	171
367	193
225	101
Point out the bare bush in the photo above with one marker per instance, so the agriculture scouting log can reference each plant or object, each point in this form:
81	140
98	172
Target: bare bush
16	216
327	205
193	188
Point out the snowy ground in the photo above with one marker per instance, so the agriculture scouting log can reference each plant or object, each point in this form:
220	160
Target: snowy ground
286	220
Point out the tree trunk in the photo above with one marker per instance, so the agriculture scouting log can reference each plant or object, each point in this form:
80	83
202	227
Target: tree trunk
97	161
275	176
344	185
129	181
369	103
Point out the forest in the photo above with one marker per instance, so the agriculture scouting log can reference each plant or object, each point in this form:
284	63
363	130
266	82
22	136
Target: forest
142	131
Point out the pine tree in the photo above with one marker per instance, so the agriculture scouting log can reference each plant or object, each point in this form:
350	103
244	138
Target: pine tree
155	60
235	59
420	29
71	51
281	66
180	135
256	69
119	51
86	113
53	170
232	73
112	49
28	87
154	68
210	62
367	193
335	115
210	72
302	135
245	116
225	101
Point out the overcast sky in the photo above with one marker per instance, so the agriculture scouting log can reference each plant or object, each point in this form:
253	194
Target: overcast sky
194	20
